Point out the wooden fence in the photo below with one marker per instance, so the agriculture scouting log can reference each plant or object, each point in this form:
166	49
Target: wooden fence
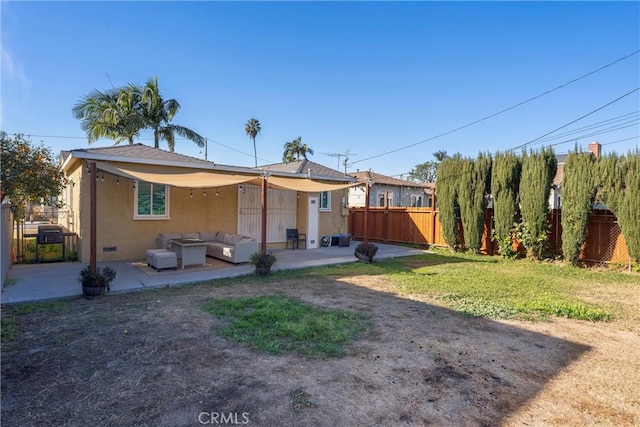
605	242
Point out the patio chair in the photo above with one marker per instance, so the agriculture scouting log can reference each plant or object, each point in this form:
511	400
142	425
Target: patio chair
295	238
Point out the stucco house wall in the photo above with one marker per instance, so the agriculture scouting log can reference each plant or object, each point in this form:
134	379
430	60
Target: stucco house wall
122	236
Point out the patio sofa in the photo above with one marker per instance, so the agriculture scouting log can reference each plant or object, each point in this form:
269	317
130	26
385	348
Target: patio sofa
229	247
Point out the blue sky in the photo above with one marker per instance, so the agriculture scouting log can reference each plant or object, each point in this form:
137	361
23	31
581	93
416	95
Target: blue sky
362	77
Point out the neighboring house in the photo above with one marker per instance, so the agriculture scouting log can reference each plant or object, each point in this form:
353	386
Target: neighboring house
396	192
142	191
555	198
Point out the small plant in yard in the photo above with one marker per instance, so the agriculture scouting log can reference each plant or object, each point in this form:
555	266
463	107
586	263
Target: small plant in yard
366	251
300	399
262	261
98	282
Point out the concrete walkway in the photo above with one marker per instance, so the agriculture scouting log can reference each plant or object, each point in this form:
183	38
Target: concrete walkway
38	282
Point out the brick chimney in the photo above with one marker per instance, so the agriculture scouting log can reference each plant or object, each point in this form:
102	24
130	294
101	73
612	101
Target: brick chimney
595	148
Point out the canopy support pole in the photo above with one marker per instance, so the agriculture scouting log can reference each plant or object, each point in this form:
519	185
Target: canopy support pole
263	205
93	173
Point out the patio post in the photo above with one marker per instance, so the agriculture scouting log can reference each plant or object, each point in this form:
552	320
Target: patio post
263	205
93	173
367	185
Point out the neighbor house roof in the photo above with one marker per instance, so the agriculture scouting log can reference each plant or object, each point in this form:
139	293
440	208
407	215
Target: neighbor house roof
388	180
304	167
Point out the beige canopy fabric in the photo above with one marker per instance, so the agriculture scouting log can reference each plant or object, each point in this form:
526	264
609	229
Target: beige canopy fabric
194	178
307	185
178	177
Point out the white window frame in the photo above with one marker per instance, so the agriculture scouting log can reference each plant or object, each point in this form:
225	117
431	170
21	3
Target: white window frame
151	216
328	206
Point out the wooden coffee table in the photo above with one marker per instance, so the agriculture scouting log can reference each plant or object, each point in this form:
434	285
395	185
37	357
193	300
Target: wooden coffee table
190	251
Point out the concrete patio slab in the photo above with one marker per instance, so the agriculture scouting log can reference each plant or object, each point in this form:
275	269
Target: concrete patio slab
39	282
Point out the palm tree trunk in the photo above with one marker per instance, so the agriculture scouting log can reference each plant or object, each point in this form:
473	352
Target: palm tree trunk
255	153
156	139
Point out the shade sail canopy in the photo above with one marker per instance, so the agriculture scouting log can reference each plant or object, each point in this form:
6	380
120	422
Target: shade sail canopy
195	178
308	185
178	177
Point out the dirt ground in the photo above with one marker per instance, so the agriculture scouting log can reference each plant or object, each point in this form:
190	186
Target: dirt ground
154	358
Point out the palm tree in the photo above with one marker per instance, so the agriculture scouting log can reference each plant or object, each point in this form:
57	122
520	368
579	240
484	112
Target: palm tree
252	128
293	150
158	114
440	155
111	114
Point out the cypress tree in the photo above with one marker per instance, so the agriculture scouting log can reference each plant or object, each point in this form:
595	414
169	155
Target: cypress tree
473	187
447	191
578	195
538	170
619	190
505	183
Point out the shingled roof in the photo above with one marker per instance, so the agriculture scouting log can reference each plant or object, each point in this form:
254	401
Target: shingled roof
388	180
303	166
140	151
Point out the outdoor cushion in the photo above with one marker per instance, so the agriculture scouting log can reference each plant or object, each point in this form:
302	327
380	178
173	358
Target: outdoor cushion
208	236
170	235
191	235
228	239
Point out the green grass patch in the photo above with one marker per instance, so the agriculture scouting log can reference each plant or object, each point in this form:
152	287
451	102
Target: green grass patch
58	307
8	329
10	316
482	286
276	325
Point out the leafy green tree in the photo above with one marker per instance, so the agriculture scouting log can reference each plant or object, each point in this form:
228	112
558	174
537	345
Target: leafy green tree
473	188
578	195
538	170
424	172
447	192
294	149
158	114
29	172
111	114
253	128
619	190
505	184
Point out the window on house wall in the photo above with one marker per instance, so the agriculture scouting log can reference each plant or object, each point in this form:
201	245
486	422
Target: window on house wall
381	199
325	201
151	201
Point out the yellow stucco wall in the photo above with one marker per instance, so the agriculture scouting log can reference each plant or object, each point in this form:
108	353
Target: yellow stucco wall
116	227
329	222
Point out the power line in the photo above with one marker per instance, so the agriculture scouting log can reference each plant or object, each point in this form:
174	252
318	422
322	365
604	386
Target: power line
501	111
573	121
592	126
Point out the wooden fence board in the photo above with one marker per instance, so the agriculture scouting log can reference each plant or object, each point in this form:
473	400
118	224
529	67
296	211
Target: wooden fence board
604	242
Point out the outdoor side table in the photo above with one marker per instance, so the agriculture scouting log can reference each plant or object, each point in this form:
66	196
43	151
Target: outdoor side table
190	251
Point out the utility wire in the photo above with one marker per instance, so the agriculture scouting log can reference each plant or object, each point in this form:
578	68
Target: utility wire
501	111
573	121
628	117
